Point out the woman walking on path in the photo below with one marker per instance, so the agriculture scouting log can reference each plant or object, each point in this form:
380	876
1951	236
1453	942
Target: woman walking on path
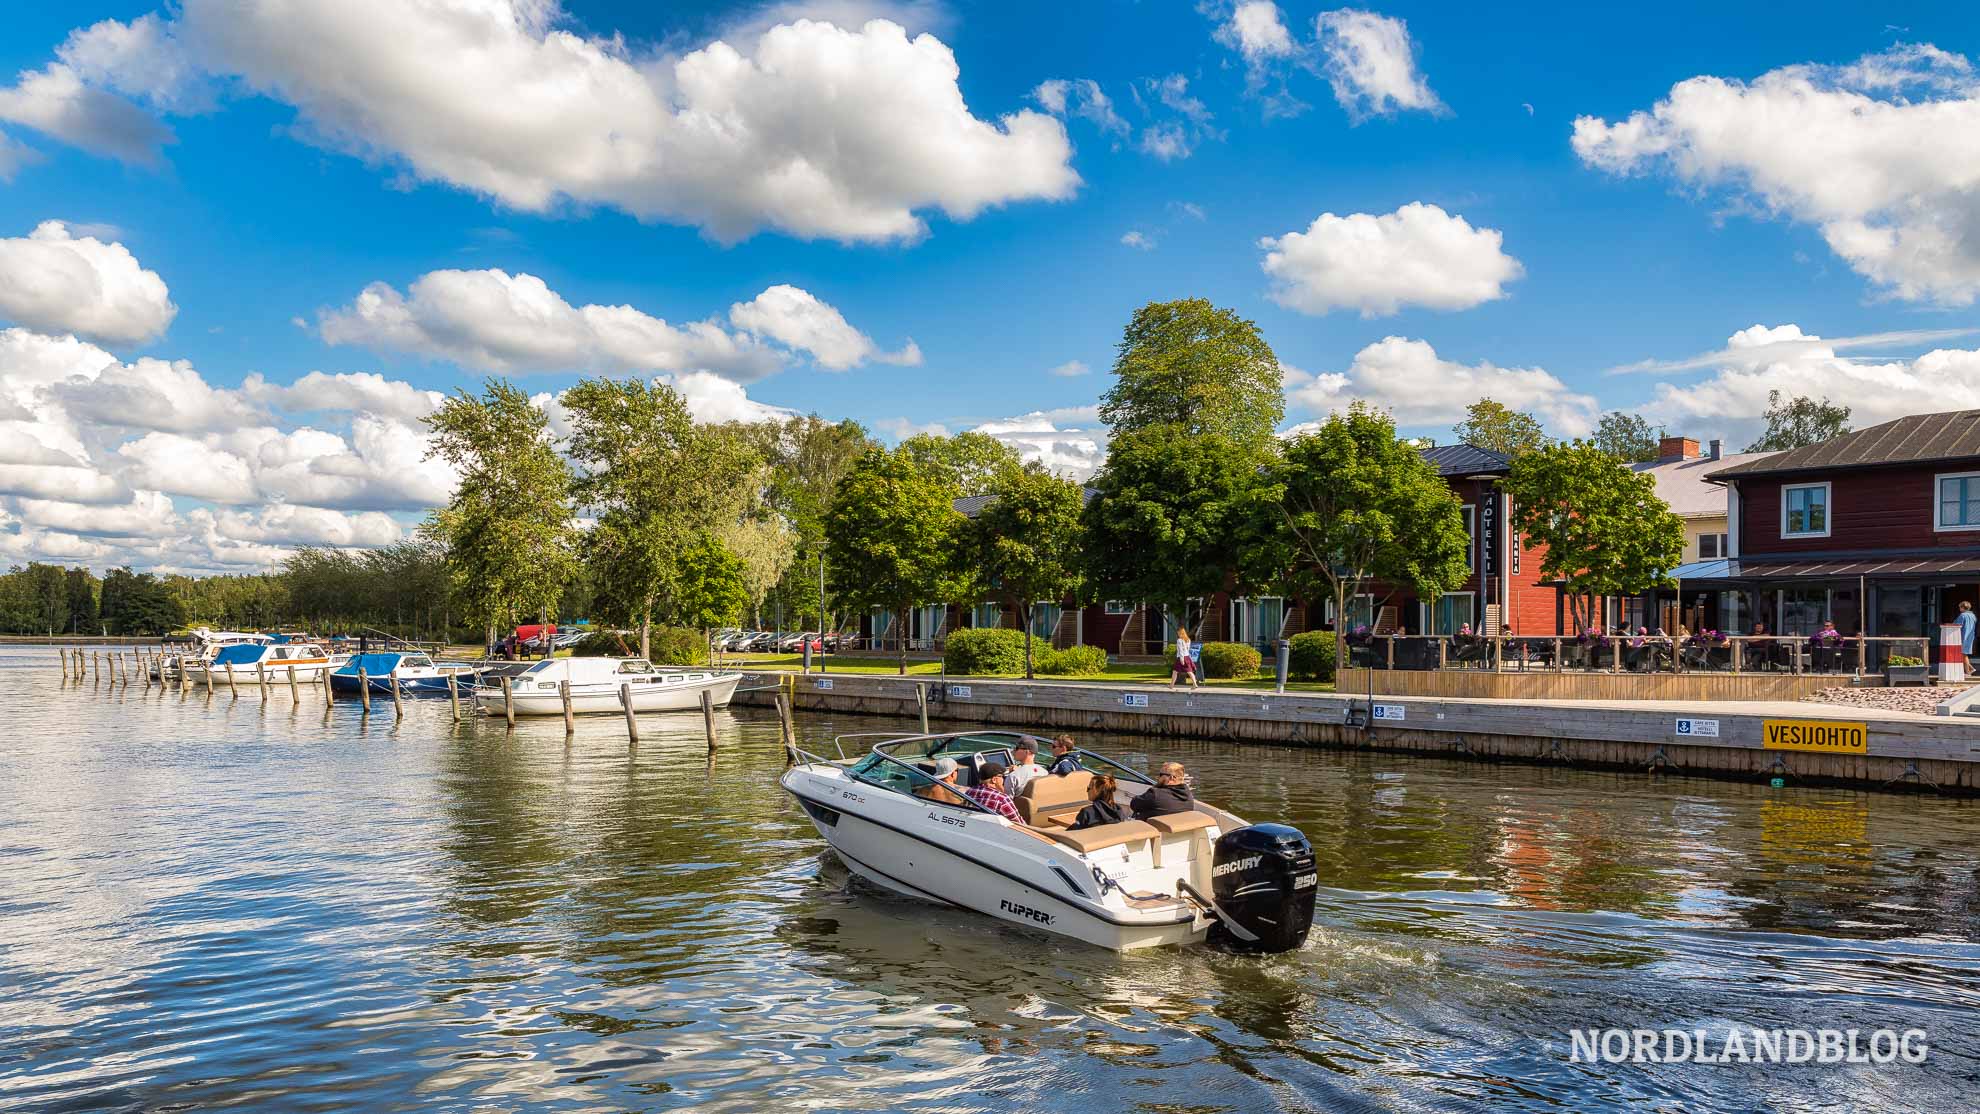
1184	665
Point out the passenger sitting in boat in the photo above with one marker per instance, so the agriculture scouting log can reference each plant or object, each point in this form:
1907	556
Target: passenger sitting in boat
1022	768
942	789
1063	762
989	791
1101	808
1170	793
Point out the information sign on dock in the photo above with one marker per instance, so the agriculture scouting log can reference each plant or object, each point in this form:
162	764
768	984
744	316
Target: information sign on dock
959	692
1390	711
822	683
1134	700
1824	735
1698	729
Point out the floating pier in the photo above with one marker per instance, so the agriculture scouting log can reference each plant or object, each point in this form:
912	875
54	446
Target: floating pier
1797	742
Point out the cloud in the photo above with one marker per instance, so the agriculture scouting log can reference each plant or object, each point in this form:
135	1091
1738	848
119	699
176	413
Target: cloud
1178	137
356	391
1081	97
1752	347
54	282
713	399
1135	238
817	130
1782	358
14	155
1418	255
1408	378
154	394
1256	31
900	429
797	320
1071	369
1068	440
1371	64
1880	156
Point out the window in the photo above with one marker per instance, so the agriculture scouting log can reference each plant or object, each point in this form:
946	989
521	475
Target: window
1449	612
1805	511
1044	618
1257	621
1711	546
986	615
1470	535
1959	502
1119	607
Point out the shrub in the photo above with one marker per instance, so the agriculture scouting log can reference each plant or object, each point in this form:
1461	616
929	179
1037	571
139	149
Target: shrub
1313	655
671	646
1230	659
1073	661
984	652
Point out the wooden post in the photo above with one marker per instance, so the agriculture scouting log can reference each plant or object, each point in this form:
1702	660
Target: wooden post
93	666
1736	657
454	694
708	718
921	698
232	689
206	671
1392	652
625	701
144	670
1615	654
364	690
1443	650
329	697
294	696
509	703
786	722
261	681
564	695
398	705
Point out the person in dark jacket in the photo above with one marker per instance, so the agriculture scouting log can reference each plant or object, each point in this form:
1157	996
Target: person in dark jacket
1170	793
1101	808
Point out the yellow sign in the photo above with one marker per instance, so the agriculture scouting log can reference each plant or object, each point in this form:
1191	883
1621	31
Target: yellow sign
1826	735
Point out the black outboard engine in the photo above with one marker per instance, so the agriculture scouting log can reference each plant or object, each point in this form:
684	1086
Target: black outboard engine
1264	878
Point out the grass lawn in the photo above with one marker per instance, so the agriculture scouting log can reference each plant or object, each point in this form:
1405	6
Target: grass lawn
1141	673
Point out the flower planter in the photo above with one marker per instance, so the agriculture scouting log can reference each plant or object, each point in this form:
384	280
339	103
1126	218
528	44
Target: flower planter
1895	675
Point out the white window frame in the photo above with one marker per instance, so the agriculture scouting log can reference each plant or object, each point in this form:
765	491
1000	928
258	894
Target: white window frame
1939	503
1719	539
1470	536
1426	613
1117	607
1828	509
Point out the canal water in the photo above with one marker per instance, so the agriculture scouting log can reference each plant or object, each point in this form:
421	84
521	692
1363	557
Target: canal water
231	902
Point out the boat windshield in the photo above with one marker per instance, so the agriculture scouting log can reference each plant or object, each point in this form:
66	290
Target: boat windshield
541	666
961	746
883	771
415	660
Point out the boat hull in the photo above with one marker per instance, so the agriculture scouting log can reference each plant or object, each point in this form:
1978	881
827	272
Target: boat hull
307	671
587	699
423	683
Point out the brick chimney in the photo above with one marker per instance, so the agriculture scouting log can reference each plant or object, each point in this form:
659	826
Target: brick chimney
1677	448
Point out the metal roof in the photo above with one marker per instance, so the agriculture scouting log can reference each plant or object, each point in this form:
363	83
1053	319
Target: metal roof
1681	483
1466	460
1917	439
1828	568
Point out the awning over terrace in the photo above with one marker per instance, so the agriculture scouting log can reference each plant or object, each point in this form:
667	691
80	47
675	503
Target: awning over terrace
1746	570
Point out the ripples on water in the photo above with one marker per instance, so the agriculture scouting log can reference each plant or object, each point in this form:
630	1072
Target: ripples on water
231	903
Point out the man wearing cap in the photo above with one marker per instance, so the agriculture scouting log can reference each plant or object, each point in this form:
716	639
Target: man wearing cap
942	789
1023	768
989	791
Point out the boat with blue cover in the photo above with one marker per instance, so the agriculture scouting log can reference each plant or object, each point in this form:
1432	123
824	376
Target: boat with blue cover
418	672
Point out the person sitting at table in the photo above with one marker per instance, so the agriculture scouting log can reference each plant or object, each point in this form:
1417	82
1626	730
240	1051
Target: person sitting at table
1762	651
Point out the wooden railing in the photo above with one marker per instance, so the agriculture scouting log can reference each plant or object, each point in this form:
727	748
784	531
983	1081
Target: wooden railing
1636	653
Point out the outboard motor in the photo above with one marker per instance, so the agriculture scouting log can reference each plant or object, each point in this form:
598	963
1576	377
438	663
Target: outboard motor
1264	878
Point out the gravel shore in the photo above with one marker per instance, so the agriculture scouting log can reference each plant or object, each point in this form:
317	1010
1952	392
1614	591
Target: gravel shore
1906	699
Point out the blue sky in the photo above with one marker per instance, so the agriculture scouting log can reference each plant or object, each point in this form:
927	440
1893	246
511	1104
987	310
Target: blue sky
294	181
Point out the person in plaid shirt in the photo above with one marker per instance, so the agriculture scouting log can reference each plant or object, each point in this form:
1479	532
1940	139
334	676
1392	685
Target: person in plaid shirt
989	791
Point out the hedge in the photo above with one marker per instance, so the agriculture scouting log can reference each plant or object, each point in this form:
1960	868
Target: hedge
1313	655
985	651
1073	661
1230	659
671	646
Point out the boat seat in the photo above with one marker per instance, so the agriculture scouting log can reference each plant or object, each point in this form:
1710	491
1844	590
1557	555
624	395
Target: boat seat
1177	822
1103	836
1053	799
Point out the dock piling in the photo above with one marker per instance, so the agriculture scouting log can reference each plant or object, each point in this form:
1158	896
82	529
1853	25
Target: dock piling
454	694
786	728
364	691
232	690
261	681
509	703
708	718
294	696
564	695
398	704
921	698
632	725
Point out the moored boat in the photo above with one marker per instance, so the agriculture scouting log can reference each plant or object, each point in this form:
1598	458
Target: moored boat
250	663
417	673
596	683
1188	877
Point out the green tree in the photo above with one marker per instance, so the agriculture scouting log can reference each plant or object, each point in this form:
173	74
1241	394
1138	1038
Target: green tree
139	604
1799	421
1358	504
1500	429
1201	369
1176	517
1028	543
891	528
506	532
976	463
49	589
766	547
1628	437
709	591
808	457
82	601
659	484
1606	532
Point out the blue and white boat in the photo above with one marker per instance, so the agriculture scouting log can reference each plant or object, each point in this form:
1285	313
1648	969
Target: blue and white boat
254	663
418	673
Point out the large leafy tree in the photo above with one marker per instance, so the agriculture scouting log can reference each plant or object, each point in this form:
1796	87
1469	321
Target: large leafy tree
1357	504
82	600
506	532
711	587
1605	530
1495	426
1027	543
808	457
139	603
891	533
659	485
1628	437
1176	517
766	548
1202	369
976	463
1799	421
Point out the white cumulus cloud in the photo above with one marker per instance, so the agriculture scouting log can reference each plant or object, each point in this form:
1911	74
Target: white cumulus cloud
1421	388
1370	62
1069	440
1881	156
1418	255
798	320
54	282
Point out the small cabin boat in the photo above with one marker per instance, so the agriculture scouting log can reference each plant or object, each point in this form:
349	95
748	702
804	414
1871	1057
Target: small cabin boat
250	663
417	672
201	646
595	685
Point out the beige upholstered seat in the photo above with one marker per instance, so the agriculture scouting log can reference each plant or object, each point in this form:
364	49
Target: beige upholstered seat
1176	822
1106	835
1053	800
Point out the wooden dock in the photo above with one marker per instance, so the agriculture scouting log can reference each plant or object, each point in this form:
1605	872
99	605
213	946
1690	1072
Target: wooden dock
1798	742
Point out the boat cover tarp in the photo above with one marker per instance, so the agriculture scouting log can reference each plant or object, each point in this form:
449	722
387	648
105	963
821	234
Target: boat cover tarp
529	633
236	655
375	665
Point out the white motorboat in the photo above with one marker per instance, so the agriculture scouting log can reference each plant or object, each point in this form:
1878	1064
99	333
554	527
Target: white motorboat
1175	879
204	644
252	663
595	685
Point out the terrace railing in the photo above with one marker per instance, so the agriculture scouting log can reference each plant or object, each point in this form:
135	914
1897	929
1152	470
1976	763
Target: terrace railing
1852	654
